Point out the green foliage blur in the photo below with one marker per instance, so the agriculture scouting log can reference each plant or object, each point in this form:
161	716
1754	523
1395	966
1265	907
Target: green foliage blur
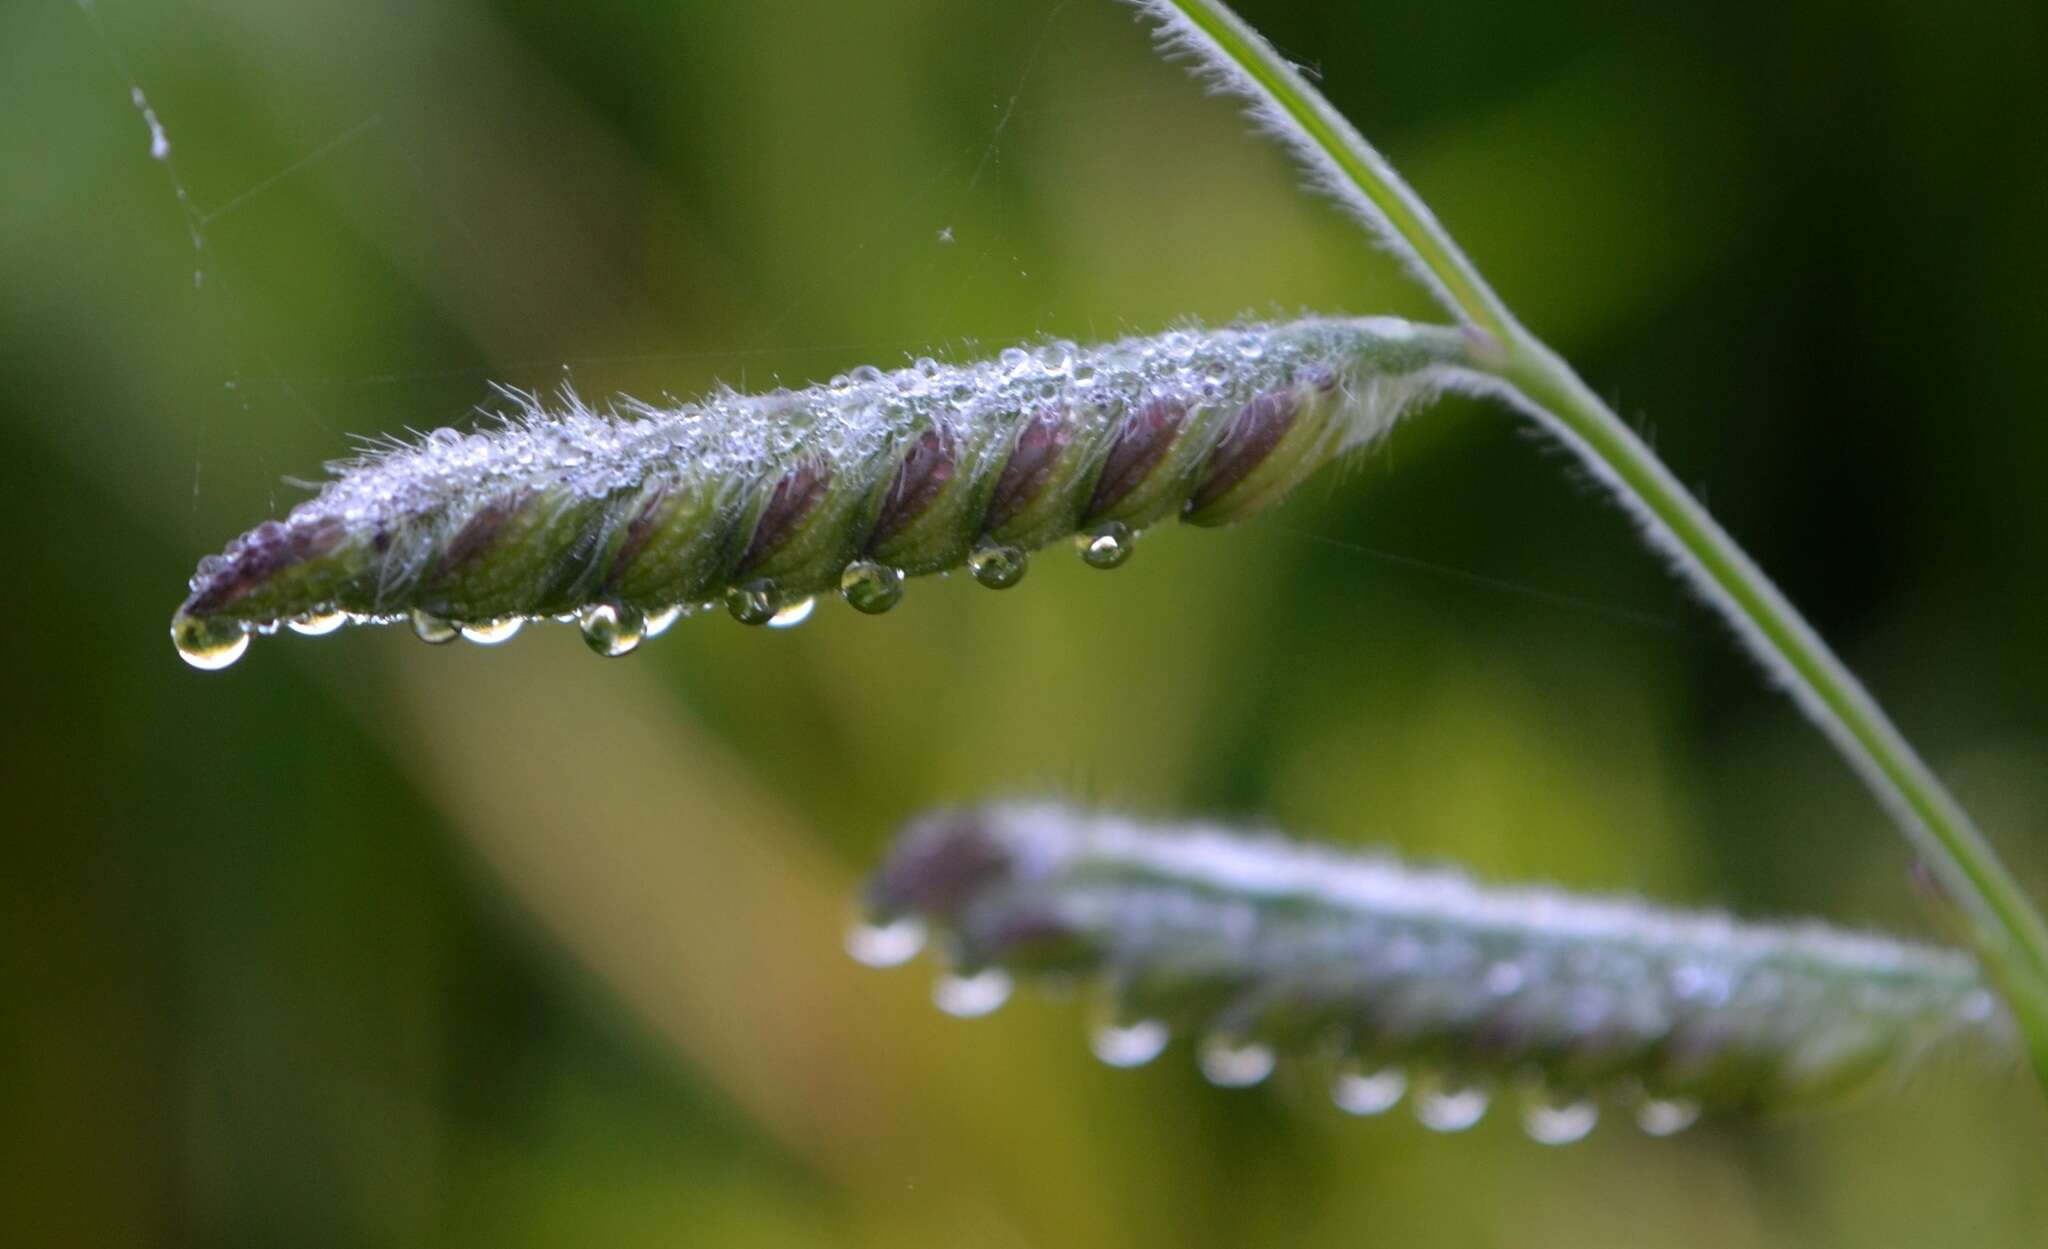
367	943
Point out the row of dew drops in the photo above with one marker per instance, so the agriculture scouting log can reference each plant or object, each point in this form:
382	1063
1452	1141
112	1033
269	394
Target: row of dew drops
1440	1103
613	629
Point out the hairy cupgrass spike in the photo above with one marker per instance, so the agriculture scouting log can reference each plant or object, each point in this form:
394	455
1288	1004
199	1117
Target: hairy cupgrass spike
622	517
1262	946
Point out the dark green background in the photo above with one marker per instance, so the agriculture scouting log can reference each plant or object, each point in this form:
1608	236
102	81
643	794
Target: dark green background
365	943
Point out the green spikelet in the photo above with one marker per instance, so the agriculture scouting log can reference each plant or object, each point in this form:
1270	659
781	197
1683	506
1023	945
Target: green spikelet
762	501
1264	946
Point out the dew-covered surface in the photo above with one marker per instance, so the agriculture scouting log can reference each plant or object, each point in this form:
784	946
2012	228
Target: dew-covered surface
850	486
1424	985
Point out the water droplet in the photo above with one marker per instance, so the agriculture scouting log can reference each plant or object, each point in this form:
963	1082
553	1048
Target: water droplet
208	645
610	629
1661	1116
996	565
1450	1108
1015	361
445	437
793	614
1107	545
1358	1092
888	944
1231	1064
315	624
870	587
752	604
1057	356
1552	1122
1129	1045
970	997
658	621
493	632
431	629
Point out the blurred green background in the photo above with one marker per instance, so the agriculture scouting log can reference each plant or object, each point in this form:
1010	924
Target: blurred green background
363	943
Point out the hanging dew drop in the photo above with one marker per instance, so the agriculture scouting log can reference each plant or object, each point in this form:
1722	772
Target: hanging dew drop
1552	1122
493	633
317	624
752	604
431	629
658	622
611	629
1450	1108
1230	1064
208	645
970	997
1661	1116
996	565
888	944
1129	1045
793	614
1359	1092
1107	545
870	587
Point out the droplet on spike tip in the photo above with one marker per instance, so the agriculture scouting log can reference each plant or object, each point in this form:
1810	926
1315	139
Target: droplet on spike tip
610	629
208	645
870	587
997	565
890	943
493	632
1129	1044
751	604
970	997
658	622
1233	1064
1553	1121
1359	1092
1443	1107
1107	545
790	615
317	623
431	629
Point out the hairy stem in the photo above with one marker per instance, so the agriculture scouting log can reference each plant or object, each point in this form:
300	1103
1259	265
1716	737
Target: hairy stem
1998	917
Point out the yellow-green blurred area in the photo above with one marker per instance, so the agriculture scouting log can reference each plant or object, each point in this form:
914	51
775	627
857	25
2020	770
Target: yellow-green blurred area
369	943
